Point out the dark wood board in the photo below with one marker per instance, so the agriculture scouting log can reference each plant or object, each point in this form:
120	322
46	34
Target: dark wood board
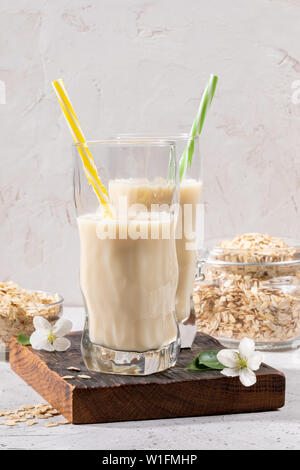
174	393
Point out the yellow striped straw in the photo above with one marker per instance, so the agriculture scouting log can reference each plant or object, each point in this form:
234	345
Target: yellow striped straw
84	152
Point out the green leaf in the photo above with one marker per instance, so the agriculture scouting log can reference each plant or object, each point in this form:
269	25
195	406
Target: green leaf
194	365
209	359
24	339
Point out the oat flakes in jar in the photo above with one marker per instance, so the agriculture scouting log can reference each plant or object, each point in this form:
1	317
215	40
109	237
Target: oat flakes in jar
19	306
250	287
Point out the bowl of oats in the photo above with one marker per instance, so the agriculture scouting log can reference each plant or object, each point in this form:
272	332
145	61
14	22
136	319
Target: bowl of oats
19	306
250	287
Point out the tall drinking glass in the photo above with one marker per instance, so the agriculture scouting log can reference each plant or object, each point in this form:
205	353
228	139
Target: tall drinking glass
190	240
128	262
190	232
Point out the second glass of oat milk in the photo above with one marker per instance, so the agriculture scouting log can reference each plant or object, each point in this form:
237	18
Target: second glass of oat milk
189	233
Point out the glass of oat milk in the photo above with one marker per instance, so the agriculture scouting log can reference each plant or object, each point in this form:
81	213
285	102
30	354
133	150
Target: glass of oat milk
189	240
128	261
189	233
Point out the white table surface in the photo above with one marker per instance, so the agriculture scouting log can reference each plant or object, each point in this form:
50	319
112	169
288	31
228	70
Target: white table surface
271	430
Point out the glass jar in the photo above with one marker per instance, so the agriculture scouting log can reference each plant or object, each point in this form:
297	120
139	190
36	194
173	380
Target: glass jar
250	293
18	307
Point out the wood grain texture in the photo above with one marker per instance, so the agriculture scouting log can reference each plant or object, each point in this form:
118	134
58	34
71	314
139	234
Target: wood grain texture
173	393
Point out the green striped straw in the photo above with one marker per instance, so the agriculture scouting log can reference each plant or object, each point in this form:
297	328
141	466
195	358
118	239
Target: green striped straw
187	156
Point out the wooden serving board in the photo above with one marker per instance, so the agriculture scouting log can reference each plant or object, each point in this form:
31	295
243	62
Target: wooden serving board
174	393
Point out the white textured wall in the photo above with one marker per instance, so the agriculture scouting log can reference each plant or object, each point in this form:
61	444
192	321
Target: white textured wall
135	65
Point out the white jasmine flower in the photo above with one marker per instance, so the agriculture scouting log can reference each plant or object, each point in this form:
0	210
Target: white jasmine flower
48	337
241	363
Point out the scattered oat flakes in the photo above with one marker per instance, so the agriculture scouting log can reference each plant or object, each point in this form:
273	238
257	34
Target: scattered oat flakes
76	369
51	424
62	423
10	423
28	414
82	376
68	377
31	422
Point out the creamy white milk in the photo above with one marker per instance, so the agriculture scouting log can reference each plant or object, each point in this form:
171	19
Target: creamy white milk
129	285
190	193
147	193
140	191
